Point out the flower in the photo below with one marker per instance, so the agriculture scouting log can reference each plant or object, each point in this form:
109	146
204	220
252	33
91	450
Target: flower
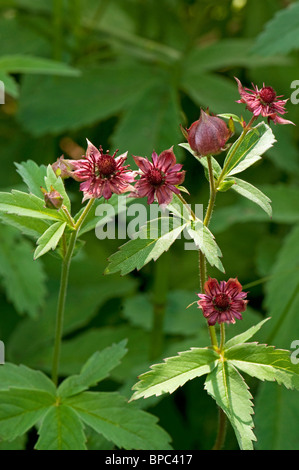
158	178
263	101
222	302
102	174
53	199
208	135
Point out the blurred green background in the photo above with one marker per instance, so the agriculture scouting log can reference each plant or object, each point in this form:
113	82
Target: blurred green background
125	74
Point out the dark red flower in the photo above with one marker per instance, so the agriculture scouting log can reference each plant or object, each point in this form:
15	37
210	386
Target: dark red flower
102	174
158	178
222	302
263	101
208	135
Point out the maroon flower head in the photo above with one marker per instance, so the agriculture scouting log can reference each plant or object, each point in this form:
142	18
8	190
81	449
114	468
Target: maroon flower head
158	178
102	174
208	135
222	302
263	101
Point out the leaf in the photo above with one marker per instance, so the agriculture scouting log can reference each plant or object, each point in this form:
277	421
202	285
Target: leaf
22	377
241	338
249	149
280	34
110	415
20	409
27	205
94	370
265	363
11	87
101	91
50	238
33	175
231	394
61	429
252	193
175	372
205	242
139	251
23	279
39	65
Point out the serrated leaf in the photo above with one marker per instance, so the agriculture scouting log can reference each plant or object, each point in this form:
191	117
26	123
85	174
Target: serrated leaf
61	429
280	34
110	415
139	251
49	239
250	149
27	205
26	292
205	242
231	394
20	409
33	175
94	370
242	337
175	372
265	363
22	377
252	193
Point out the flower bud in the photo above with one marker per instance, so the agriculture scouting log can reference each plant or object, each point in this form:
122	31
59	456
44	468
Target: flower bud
63	167
53	199
208	135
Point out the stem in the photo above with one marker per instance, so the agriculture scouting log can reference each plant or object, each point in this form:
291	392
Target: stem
159	304
63	291
222	335
221	431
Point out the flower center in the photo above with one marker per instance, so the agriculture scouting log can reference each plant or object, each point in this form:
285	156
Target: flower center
106	165
267	94
221	302
155	177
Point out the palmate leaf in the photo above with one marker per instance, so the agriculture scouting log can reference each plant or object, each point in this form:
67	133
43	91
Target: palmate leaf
22	377
33	175
110	415
154	240
231	394
61	429
175	372
94	370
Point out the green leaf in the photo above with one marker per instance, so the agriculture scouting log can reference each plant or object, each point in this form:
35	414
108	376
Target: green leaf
20	409
205	242
230	391
228	116
27	205
22	278
175	372
22	377
280	34
39	65
33	175
11	86
61	429
242	337
255	143
252	193
49	240
139	251
96	369
265	363
110	415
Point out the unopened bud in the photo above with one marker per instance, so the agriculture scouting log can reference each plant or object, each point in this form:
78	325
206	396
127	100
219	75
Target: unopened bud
53	199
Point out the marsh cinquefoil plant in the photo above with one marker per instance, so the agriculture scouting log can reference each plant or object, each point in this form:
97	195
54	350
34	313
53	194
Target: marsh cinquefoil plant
64	410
